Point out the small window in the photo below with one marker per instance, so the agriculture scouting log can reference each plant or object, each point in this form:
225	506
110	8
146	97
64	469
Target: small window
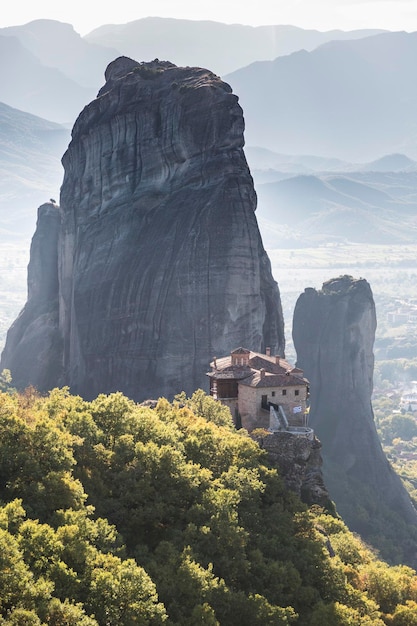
273	394
284	392
297	392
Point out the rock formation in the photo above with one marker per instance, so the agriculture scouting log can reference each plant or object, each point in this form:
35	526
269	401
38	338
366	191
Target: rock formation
160	261
333	332
33	346
299	461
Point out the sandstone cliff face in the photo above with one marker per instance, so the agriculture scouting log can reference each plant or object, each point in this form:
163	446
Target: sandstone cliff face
160	263
333	332
300	464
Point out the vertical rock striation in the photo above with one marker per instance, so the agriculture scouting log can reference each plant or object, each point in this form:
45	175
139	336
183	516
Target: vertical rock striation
333	332
161	264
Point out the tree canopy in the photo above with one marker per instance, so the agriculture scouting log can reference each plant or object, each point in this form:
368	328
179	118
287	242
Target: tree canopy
114	513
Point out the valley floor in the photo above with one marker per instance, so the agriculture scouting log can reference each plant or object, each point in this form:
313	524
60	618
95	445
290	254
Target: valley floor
390	270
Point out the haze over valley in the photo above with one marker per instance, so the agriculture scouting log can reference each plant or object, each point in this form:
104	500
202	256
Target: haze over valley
333	162
194	204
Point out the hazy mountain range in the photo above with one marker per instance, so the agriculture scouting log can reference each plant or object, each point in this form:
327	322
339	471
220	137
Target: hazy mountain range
354	100
325	110
29	85
362	207
306	200
60	71
220	47
30	168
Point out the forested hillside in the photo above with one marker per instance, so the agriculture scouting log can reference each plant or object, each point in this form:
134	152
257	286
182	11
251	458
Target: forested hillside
118	514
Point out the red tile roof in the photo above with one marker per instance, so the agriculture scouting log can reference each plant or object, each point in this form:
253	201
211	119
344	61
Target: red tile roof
240	351
273	380
233	372
277	374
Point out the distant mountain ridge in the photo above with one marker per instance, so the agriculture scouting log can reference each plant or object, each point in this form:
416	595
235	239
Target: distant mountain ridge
57	45
30	167
353	100
190	42
29	85
362	206
337	106
59	71
392	163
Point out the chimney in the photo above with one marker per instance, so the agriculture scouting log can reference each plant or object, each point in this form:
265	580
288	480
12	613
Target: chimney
268	351
277	358
215	362
262	371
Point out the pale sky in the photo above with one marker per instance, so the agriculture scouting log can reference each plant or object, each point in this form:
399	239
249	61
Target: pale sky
85	15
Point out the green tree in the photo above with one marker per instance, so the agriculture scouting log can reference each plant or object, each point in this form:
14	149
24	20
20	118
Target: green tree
122	594
67	614
18	586
401	426
404	614
6	381
21	617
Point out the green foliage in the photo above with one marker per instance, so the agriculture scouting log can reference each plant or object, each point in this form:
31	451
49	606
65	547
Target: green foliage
6	381
207	407
122	593
148	72
337	614
389	586
36	461
404	615
21	617
67	614
387	531
398	433
397	426
185	524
